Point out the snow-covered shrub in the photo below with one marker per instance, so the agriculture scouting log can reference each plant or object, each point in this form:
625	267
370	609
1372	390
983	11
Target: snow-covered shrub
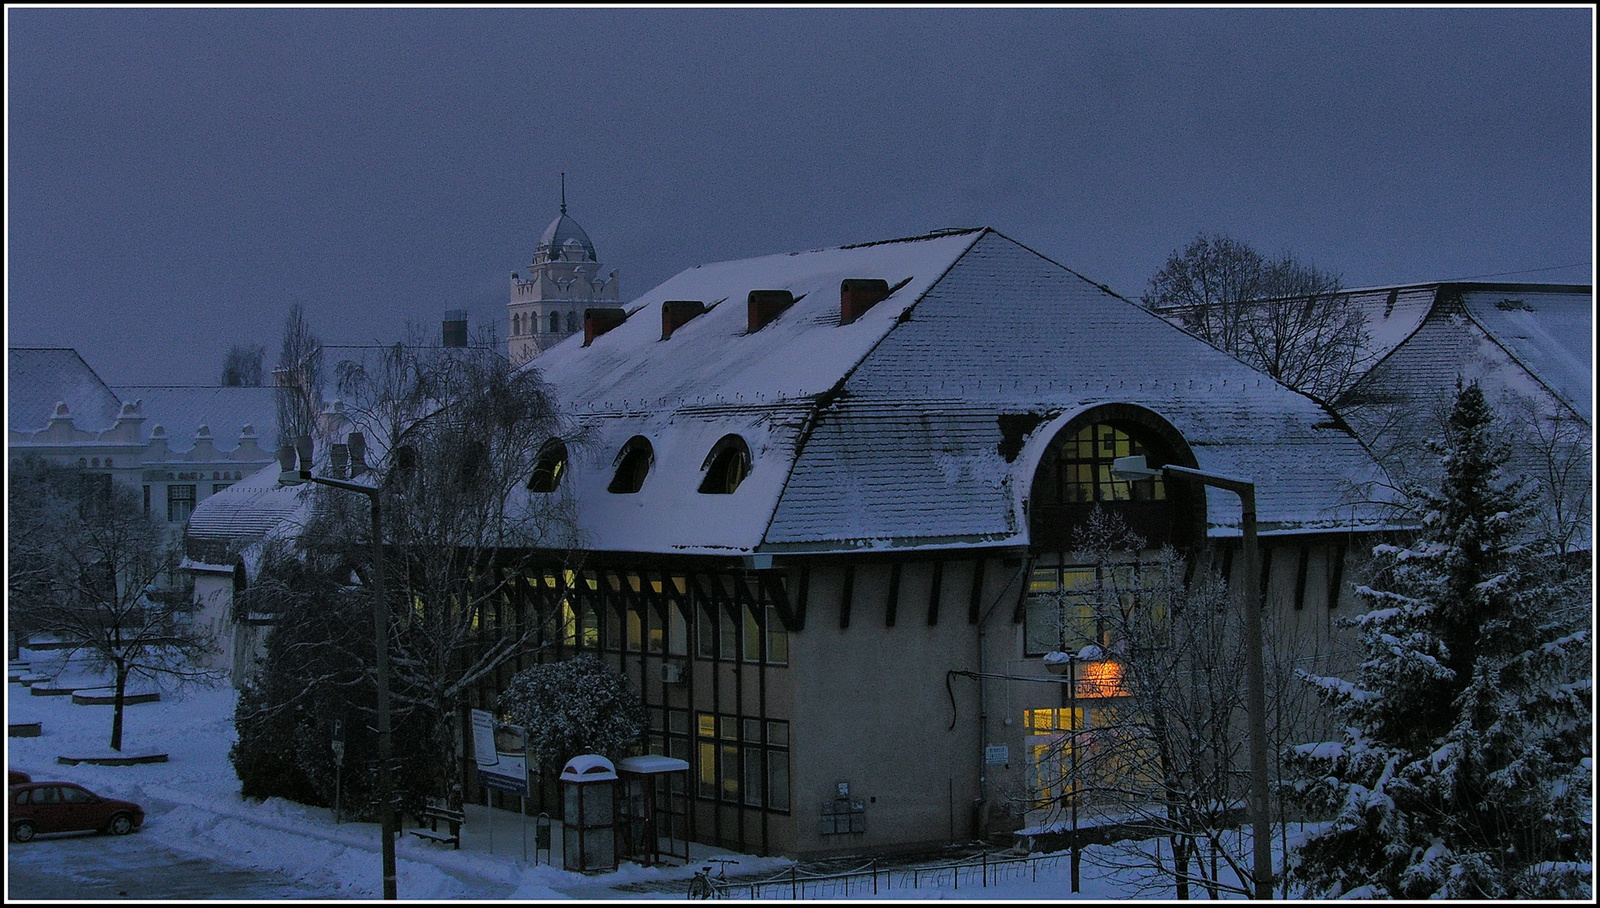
575	707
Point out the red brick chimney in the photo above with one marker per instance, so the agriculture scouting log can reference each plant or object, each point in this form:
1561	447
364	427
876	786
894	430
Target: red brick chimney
857	295
674	313
766	305
598	321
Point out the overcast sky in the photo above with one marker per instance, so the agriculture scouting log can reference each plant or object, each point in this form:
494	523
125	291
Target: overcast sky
178	177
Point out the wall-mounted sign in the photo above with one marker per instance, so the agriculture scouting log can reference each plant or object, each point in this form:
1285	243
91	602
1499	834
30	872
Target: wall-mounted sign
997	755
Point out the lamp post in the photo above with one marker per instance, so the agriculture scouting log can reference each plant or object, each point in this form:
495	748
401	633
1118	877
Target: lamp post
1054	666
292	475
1255	672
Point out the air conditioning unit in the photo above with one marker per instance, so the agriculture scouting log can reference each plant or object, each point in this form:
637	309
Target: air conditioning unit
672	673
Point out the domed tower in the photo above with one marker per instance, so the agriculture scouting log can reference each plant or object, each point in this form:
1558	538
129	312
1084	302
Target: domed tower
564	278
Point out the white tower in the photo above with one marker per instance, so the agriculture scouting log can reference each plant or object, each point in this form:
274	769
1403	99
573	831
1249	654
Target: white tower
564	278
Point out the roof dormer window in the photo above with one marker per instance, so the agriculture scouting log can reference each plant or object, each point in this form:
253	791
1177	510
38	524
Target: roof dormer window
726	466
550	466
633	465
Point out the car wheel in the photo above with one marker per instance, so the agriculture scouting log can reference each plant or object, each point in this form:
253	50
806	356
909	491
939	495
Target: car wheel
121	824
22	831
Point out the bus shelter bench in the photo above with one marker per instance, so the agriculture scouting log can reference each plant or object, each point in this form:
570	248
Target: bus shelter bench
433	815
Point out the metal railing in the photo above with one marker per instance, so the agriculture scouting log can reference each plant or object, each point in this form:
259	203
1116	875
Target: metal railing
974	873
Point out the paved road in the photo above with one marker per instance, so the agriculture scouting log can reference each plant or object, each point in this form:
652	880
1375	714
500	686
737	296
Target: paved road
135	867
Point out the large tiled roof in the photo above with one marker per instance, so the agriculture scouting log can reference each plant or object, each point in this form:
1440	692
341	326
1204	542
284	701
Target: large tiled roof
885	432
38	378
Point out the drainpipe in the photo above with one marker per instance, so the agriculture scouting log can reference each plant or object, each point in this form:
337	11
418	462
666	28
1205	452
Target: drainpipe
983	715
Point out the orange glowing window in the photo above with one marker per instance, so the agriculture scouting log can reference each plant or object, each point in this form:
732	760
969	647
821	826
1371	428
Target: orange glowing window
1100	679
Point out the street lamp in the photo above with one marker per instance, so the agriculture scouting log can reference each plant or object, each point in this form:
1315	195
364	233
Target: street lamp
291	474
1134	468
1056	663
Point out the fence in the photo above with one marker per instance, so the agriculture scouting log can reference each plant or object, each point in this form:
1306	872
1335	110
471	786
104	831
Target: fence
975	873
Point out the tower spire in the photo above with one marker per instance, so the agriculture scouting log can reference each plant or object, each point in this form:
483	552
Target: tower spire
563	192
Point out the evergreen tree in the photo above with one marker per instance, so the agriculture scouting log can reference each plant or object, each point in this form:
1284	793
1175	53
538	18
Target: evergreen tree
1464	769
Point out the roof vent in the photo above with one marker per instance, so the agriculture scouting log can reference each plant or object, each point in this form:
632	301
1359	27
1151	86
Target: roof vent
674	313
598	321
766	305
857	295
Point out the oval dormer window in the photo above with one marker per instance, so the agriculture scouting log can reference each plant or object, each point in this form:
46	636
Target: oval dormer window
726	466
550	466
633	465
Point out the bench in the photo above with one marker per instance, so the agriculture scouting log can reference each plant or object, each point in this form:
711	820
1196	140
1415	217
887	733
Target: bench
433	814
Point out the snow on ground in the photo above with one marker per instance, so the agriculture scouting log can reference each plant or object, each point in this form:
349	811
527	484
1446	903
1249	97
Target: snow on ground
193	804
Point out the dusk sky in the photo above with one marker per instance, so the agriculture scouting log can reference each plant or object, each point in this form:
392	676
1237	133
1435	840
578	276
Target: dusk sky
177	178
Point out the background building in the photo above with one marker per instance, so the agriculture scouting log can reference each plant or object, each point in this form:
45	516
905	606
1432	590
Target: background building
564	278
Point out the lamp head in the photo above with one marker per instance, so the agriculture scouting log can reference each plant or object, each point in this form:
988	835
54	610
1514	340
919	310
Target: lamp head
1133	468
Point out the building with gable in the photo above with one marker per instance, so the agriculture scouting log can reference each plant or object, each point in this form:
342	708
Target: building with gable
178	445
1527	343
564	278
805	508
832	548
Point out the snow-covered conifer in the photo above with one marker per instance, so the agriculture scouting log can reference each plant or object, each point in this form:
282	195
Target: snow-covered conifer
1464	768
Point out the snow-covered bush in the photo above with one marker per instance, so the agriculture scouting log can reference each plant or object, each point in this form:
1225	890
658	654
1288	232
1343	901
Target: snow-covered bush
574	707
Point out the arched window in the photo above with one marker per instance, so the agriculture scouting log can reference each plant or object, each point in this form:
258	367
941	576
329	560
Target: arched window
1077	469
555	323
550	466
633	465
726	466
516	324
572	323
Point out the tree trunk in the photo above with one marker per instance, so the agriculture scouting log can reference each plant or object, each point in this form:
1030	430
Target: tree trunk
117	704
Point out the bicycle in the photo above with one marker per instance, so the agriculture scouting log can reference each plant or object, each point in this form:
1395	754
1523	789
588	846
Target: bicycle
706	886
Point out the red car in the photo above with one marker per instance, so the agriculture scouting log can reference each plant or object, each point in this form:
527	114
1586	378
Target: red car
67	807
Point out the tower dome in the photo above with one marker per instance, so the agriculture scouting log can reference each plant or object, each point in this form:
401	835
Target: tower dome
564	279
564	240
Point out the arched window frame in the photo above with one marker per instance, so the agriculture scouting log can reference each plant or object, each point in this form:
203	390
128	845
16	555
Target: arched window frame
633	464
549	467
555	323
726	466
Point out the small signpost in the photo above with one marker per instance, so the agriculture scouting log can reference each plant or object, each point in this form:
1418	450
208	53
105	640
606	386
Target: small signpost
501	752
338	767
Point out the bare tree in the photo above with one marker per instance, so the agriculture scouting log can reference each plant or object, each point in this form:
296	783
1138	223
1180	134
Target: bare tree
242	368
96	573
460	431
1160	731
298	378
1285	318
1554	450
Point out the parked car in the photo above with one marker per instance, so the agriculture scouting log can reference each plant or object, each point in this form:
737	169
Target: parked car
18	777
68	807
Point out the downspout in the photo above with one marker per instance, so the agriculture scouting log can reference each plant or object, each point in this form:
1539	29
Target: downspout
983	715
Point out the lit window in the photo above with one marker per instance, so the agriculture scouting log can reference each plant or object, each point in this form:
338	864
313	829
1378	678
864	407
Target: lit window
726	466
1078	469
550	466
633	465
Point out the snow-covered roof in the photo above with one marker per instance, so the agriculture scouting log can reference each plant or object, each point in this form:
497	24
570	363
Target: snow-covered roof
884	432
247	510
1549	333
224	411
38	378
